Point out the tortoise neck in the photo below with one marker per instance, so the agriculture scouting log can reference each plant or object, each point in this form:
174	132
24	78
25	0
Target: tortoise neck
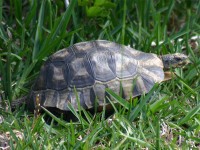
166	61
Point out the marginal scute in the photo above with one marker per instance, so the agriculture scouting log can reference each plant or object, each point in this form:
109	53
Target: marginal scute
99	89
127	88
115	86
63	100
154	73
72	96
142	86
51	98
89	97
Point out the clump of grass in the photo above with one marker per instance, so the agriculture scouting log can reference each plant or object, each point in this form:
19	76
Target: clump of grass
167	117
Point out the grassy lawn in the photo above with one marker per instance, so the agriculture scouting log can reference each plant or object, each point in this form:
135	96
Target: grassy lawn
168	117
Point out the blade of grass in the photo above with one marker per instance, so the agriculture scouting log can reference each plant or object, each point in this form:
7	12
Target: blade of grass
119	99
189	115
113	105
167	18
38	36
173	37
87	115
29	133
147	14
8	74
157	133
1	8
31	14
2	75
25	74
77	115
120	143
155	106
18	10
58	30
187	86
63	123
6	40
11	54
143	102
79	107
136	140
72	135
123	23
50	25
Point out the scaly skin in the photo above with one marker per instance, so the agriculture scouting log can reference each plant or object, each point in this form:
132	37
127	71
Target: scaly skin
176	60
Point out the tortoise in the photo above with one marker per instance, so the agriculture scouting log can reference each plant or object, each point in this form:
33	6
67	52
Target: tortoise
83	71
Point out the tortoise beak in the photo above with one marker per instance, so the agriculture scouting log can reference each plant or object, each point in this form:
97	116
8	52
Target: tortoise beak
185	62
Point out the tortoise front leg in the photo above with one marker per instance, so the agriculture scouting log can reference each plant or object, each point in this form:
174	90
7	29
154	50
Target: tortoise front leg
169	75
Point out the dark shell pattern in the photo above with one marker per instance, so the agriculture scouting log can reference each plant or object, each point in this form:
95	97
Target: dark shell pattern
82	72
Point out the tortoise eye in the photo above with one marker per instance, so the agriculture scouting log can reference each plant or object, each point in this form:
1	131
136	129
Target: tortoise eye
178	59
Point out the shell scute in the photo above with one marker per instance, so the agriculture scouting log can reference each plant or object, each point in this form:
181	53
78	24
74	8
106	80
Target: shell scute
102	66
57	73
80	73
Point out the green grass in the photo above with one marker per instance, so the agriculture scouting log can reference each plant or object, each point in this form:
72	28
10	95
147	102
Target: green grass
30	31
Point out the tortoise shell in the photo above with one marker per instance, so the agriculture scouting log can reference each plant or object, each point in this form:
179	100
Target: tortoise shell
83	71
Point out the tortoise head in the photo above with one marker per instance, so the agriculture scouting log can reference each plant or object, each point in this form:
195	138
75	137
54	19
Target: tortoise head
176	60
